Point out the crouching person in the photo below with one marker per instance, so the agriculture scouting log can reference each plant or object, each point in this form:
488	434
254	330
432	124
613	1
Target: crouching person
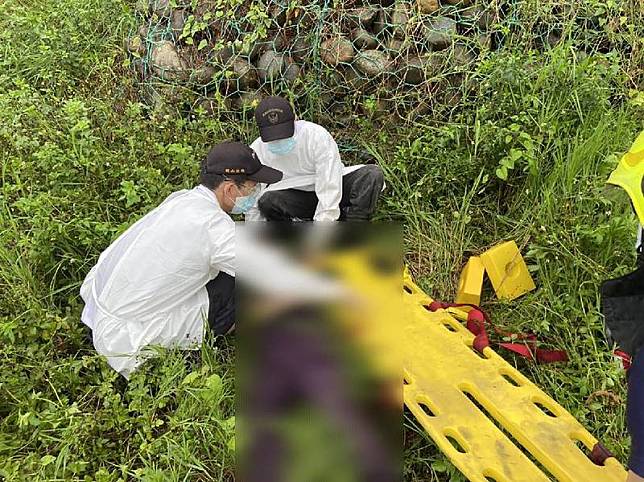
174	269
316	185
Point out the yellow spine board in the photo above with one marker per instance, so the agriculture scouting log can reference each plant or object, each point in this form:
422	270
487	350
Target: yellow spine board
443	374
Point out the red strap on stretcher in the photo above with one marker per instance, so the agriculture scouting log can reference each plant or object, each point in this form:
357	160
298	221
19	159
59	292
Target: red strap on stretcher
476	321
599	454
625	358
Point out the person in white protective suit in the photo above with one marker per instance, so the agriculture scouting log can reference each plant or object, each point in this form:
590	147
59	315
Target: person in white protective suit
316	185
173	271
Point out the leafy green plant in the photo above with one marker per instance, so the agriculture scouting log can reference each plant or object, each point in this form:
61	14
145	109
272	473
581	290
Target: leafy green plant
524	157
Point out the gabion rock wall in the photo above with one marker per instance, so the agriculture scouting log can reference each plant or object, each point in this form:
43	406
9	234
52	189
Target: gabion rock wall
402	57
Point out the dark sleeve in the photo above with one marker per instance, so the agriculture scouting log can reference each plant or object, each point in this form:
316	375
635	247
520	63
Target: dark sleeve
635	413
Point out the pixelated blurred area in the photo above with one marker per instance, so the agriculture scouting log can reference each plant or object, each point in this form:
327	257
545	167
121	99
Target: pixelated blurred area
319	365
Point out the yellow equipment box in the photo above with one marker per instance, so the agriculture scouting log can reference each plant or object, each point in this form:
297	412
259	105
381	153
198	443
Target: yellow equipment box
470	284
507	271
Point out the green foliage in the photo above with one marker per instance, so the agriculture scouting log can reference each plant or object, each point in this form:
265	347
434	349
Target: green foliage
524	156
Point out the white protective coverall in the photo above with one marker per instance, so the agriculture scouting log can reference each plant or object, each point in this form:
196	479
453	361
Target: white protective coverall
313	165
149	286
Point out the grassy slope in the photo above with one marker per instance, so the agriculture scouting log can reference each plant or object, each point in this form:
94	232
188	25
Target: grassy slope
81	160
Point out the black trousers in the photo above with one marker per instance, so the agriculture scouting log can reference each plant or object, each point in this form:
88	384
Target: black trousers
221	307
360	190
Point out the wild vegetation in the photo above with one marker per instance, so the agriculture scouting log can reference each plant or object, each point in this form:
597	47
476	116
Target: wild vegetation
523	154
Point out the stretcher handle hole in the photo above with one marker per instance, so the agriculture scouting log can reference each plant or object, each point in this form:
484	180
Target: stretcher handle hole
598	454
449	326
456	444
511	380
407	289
542	406
582	446
492	475
478	353
426	406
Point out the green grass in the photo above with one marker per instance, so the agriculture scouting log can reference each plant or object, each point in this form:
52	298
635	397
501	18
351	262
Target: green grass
82	159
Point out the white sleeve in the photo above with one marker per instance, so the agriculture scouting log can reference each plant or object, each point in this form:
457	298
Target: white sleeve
254	214
222	246
272	272
328	176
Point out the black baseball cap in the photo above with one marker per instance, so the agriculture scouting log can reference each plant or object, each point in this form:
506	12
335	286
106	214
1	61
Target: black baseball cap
275	118
237	159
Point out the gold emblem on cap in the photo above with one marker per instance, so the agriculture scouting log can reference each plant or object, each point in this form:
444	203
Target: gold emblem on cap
273	115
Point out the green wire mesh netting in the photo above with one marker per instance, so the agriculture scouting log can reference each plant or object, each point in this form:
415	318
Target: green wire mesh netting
339	59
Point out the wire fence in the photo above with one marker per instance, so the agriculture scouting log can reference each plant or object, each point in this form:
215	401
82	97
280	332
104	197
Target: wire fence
338	59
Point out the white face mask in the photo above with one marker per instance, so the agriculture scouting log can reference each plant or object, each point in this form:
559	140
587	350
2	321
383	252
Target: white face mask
242	204
281	146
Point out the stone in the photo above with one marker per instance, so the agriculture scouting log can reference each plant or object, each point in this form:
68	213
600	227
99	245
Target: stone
486	19
337	50
399	20
277	13
167	63
204	74
364	16
143	32
276	44
270	65
221	54
395	45
439	32
462	56
373	63
363	39
477	16
419	68
244	73
380	23
300	49
177	21
292	71
247	100
427	6
353	79
160	7
414	70
485	41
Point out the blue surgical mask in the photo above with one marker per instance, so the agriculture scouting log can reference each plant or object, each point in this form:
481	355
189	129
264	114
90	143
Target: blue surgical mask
244	203
282	146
